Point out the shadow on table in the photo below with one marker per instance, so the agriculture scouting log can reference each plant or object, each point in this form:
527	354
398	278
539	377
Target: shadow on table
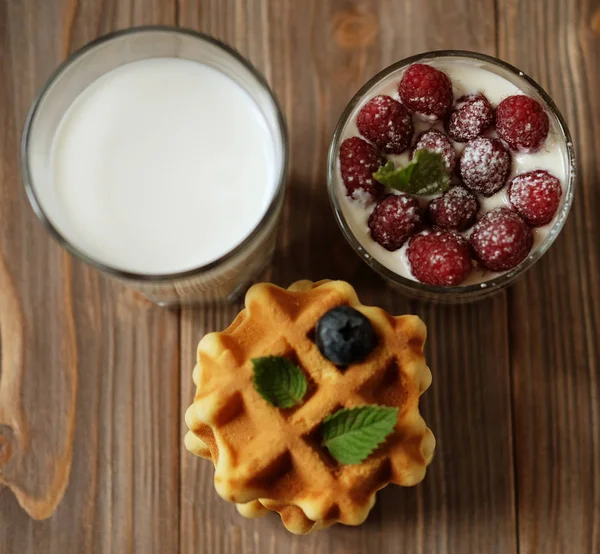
468	491
312	246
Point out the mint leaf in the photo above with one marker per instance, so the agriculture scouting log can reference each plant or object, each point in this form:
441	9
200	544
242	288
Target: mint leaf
352	434
426	174
279	381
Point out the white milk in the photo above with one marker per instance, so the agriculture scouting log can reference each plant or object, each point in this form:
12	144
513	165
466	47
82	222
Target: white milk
467	78
161	166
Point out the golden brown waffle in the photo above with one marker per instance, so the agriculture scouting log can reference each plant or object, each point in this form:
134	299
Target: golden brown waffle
267	458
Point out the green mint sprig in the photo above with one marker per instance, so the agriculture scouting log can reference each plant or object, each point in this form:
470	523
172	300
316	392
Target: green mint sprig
426	174
352	434
279	381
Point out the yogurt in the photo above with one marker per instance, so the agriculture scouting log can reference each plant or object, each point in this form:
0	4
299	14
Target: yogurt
468	77
160	166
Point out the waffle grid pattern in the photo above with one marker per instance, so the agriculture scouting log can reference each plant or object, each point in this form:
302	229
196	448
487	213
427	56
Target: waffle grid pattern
270	459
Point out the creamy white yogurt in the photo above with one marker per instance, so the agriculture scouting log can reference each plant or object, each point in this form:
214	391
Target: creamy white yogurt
468	77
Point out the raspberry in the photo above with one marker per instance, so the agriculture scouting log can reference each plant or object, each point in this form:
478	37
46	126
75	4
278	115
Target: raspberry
535	196
436	141
455	209
358	161
426	91
522	123
470	116
386	123
501	239
441	258
394	219
484	166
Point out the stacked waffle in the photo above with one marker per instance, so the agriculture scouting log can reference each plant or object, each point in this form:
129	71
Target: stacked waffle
269	458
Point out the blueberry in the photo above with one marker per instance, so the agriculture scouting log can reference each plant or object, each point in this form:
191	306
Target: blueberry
345	336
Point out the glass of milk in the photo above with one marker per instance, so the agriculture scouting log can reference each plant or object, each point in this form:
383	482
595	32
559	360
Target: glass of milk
159	156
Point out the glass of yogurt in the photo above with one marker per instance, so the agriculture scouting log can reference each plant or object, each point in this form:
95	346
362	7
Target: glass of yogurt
159	156
517	182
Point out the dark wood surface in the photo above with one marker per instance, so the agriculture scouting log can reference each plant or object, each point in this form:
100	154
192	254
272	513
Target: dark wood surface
94	381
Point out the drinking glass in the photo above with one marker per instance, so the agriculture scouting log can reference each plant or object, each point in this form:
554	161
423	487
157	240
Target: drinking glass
228	276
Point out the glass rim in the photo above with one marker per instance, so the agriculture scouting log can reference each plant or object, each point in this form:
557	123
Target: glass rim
131	275
475	289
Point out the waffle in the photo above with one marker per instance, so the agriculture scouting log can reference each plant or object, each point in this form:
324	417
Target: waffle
270	459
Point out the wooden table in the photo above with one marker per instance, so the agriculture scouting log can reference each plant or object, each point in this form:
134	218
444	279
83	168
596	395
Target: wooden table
95	381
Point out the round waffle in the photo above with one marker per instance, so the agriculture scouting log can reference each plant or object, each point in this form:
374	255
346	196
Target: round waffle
271	459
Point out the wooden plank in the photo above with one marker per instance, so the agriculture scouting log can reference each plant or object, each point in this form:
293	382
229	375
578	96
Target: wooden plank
555	310
316	55
97	391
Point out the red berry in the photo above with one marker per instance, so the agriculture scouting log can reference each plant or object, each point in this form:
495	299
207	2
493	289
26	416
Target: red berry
501	239
522	123
441	258
386	123
470	116
394	219
535	196
484	165
455	209
436	141
426	91
358	161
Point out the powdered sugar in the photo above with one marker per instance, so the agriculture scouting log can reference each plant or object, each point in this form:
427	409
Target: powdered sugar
439	258
522	123
484	165
358	161
386	123
393	220
455	209
470	117
426	90
435	141
536	196
501	240
468	78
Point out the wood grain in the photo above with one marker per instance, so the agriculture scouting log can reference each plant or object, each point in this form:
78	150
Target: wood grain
12	426
103	378
555	310
38	341
123	492
316	55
